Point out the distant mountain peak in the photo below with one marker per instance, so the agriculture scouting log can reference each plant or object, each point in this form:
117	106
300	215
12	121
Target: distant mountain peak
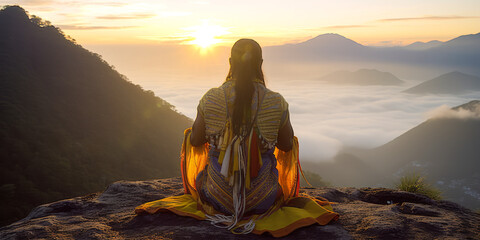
449	83
330	38
465	40
473	35
329	35
423	45
362	77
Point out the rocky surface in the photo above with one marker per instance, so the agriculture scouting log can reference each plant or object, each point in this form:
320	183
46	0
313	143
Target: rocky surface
367	213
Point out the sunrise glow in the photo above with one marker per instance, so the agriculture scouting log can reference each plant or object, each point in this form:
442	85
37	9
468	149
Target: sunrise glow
206	35
209	23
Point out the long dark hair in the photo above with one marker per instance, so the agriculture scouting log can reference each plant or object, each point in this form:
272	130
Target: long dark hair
245	67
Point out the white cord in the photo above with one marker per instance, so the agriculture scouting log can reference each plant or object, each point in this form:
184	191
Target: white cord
238	193
216	219
247	227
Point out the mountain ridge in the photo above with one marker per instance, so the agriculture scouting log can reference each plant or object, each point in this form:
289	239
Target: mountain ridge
468	38
461	53
362	77
449	83
444	149
423	45
332	37
328	38
69	123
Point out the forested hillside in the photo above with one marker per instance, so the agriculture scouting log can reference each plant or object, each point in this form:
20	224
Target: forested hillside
70	124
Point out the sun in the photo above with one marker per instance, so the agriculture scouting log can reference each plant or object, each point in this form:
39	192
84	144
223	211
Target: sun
206	35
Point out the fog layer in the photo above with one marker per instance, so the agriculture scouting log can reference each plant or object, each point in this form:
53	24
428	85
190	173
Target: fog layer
325	118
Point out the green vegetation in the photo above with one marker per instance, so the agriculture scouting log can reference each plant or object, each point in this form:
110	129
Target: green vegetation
314	179
69	123
415	183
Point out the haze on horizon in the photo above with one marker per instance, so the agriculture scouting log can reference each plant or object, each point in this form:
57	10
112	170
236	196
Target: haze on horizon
371	22
146	43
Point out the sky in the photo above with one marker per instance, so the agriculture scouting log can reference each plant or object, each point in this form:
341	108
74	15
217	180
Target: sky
142	39
271	22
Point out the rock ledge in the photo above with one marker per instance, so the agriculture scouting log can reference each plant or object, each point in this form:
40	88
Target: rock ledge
365	213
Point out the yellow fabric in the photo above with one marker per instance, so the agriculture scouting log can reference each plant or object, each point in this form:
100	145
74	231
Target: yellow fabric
194	159
249	149
285	216
184	205
236	164
296	213
224	140
288	168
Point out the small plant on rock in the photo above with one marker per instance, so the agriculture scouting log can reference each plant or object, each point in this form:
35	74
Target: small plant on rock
415	183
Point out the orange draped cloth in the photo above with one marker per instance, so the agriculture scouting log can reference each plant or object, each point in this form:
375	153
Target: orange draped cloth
287	214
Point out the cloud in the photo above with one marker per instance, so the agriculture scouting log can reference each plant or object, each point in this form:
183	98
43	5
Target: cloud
326	118
34	2
201	2
78	27
168	39
96	3
131	16
427	18
109	4
445	111
387	43
346	26
333	117
175	14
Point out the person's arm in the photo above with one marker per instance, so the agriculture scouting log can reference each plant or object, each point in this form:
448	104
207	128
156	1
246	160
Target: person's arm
285	136
197	138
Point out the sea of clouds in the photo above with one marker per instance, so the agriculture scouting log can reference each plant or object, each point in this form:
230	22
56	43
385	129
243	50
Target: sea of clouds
325	118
